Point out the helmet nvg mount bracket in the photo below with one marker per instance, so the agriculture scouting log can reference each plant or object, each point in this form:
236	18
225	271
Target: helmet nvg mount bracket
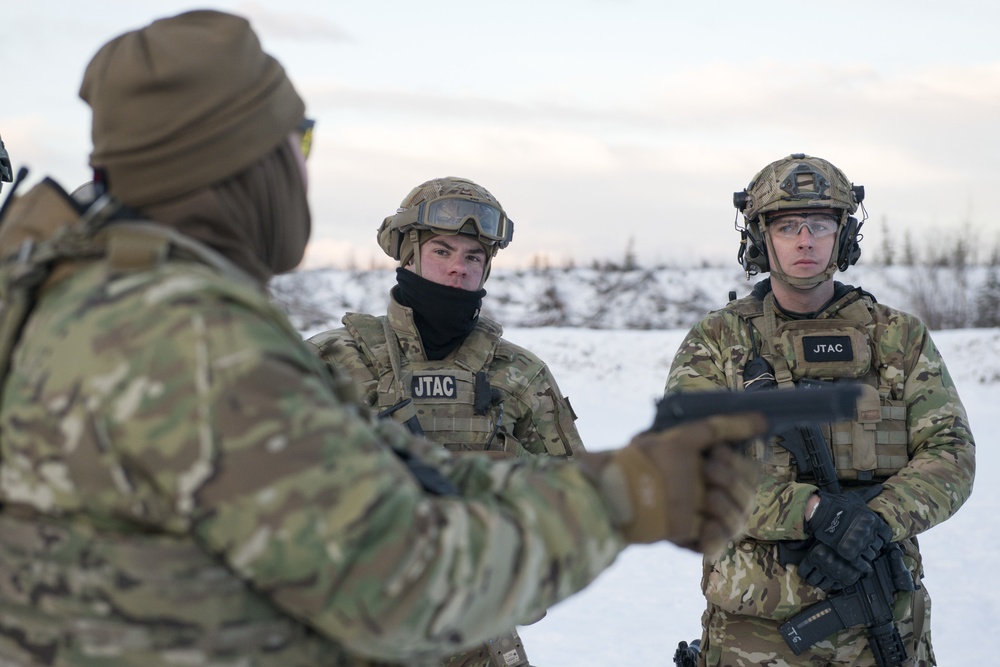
795	183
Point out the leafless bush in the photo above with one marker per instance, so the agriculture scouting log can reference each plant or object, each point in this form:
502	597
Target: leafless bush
943	286
988	299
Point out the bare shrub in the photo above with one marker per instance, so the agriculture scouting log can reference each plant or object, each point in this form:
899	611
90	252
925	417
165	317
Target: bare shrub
988	299
940	289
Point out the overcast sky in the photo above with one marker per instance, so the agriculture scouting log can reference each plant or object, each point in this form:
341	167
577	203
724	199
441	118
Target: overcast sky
596	123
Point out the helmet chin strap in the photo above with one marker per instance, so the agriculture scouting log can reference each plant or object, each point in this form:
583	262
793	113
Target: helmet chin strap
415	244
804	284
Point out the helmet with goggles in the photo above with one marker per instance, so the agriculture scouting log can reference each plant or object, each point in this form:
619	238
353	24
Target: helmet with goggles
447	206
810	192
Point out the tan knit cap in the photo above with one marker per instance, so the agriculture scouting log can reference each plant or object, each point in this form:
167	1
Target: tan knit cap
165	124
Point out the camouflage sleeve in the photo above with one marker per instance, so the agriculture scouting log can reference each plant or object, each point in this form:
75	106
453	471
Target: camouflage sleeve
548	422
699	363
303	499
707	360
341	353
938	479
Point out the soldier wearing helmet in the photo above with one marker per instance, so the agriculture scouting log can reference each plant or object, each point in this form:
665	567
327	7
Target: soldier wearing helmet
434	363
446	207
904	465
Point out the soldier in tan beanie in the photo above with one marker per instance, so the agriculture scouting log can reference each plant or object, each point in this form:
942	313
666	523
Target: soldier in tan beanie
203	149
182	482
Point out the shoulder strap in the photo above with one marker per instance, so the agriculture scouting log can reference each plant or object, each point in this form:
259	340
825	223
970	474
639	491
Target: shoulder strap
759	317
747	308
782	374
129	245
478	350
856	308
373	336
141	245
370	335
50	229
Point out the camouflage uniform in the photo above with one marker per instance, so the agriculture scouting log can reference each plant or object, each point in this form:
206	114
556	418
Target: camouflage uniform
184	483
534	416
525	412
437	365
916	442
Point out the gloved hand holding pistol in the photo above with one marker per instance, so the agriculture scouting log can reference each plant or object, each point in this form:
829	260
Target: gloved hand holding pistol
685	484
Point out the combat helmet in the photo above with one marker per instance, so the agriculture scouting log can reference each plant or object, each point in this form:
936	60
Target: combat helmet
798	182
6	172
447	205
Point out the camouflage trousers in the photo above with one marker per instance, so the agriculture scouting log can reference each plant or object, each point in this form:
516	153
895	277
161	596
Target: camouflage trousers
734	640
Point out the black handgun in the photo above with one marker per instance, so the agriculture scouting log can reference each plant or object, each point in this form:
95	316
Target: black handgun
782	408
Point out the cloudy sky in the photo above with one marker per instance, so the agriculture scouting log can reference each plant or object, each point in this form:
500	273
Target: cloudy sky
599	124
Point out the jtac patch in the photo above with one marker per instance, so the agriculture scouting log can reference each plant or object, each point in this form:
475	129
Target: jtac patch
827	348
434	386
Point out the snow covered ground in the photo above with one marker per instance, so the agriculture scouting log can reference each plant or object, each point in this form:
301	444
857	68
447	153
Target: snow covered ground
637	611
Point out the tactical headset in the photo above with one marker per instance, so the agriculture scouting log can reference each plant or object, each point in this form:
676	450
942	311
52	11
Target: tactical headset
798	182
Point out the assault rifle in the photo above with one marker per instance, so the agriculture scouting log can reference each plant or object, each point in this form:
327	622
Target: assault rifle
868	602
686	654
793	415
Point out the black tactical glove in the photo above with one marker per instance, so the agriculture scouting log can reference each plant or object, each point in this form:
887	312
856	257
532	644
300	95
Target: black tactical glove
823	568
844	523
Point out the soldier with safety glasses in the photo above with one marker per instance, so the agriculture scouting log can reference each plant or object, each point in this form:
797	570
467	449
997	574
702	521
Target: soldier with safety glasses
435	364
906	463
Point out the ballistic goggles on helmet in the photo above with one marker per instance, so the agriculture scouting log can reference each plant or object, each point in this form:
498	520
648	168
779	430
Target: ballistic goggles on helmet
450	214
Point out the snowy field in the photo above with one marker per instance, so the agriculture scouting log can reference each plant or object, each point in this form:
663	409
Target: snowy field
638	610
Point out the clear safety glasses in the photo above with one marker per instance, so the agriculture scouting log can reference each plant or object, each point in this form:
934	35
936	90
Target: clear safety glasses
305	130
450	214
789	226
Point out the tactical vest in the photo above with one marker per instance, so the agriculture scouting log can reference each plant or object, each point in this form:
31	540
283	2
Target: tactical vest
451	399
843	347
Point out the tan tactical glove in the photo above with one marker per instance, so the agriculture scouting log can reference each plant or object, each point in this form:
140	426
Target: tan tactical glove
684	484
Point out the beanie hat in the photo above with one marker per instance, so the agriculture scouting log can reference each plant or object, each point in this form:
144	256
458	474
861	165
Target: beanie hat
184	103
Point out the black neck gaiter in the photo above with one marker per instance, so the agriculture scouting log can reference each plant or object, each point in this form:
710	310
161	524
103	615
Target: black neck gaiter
444	315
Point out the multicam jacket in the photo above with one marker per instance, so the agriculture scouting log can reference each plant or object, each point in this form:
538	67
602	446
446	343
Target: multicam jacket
182	482
533	415
916	441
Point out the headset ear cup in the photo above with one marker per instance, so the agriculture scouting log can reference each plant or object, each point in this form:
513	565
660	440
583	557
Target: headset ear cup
850	249
756	258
